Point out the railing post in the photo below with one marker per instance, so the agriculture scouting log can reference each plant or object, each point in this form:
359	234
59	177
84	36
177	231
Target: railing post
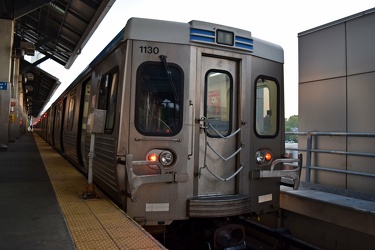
308	156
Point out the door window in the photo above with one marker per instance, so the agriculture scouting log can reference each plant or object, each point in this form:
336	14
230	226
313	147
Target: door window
71	113
108	98
218	103
85	98
58	112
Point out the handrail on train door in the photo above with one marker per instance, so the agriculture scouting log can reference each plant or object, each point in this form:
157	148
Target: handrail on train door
205	125
191	105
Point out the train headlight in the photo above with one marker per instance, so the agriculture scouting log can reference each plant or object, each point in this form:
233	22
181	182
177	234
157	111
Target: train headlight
263	157
259	156
166	158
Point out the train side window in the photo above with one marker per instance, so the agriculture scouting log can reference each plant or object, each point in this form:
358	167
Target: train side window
111	108
71	113
50	119
218	102
266	107
58	115
159	99
108	98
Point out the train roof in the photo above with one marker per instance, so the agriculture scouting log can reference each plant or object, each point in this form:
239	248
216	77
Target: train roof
198	32
194	32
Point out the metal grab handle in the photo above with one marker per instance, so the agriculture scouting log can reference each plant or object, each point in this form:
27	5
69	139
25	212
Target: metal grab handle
222	137
222	157
283	160
205	121
192	129
219	134
294	174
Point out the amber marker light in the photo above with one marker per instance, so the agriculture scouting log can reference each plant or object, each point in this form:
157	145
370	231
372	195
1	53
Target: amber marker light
152	157
267	156
263	157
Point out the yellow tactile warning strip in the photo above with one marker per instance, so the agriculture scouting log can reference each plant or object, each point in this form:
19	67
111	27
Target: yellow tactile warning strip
93	223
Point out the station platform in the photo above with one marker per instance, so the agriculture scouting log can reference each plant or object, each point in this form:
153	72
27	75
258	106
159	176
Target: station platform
41	205
328	220
348	212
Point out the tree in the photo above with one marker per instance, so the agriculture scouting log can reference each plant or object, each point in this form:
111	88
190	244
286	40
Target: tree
291	125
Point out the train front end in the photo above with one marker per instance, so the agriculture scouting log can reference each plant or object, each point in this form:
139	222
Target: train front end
201	133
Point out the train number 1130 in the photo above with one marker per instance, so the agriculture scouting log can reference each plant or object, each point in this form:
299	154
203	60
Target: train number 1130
149	50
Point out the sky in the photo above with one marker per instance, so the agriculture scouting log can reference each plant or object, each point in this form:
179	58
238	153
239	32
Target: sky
276	21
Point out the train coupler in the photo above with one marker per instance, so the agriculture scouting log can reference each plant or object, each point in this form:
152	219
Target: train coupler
89	192
230	237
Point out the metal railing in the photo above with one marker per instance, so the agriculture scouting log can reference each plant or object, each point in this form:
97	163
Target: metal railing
310	150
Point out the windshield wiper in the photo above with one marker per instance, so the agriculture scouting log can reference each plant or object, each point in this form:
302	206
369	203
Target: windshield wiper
170	78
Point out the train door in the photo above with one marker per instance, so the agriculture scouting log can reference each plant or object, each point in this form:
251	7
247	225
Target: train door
62	123
218	127
59	124
85	98
54	124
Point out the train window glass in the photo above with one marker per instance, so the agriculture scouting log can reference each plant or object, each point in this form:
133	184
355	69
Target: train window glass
111	108
218	103
70	113
266	107
108	97
85	98
58	115
159	99
50	124
103	93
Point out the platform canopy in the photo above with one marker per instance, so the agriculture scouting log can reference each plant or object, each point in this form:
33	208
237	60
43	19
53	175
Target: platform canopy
58	29
39	86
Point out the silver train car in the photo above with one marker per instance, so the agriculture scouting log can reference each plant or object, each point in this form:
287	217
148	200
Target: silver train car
188	120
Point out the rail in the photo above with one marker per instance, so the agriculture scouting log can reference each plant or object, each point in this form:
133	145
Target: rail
310	150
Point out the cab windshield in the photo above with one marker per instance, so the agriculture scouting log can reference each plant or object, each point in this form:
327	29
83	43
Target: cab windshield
266	109
158	100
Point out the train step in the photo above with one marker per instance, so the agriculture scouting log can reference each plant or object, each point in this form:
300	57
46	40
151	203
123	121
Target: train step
218	206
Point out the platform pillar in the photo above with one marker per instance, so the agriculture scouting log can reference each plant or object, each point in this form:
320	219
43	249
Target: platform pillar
6	42
15	108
